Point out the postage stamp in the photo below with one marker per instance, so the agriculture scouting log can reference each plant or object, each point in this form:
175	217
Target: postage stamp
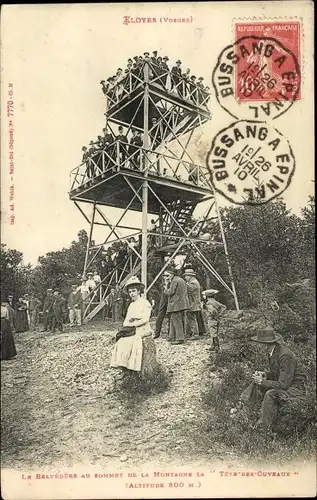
262	71
250	163
257	79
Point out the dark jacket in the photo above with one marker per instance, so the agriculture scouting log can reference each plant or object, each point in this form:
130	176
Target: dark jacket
285	371
75	300
193	290
177	295
48	303
35	304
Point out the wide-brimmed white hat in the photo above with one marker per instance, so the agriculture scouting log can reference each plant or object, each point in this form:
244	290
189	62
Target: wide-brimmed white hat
133	281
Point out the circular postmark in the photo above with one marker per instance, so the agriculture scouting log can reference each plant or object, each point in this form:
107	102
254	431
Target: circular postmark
256	78
250	162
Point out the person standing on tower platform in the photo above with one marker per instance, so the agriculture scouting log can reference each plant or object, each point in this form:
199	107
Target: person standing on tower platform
48	310
200	89
165	71
176	75
214	311
154	57
104	87
123	148
85	159
135	144
177	304
91	158
108	146
186	79
193	89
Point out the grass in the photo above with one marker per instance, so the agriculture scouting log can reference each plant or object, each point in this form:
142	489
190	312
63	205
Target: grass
293	434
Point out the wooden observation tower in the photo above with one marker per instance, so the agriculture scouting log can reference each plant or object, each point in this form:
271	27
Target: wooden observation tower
159	179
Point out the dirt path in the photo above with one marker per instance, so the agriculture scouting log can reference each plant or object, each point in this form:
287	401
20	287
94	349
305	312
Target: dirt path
61	406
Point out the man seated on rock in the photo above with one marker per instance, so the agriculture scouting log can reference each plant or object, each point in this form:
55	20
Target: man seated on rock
286	379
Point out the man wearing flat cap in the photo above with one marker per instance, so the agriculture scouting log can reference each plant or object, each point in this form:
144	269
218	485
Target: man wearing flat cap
176	290
285	380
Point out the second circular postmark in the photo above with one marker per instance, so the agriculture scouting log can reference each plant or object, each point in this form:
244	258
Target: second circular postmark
250	162
256	78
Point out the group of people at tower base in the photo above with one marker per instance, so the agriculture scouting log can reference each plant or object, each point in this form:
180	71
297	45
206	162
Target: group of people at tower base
182	302
134	351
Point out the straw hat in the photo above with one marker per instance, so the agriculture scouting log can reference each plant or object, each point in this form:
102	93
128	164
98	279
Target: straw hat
210	293
135	282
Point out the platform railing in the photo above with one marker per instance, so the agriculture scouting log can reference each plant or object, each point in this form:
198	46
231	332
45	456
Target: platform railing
184	89
120	156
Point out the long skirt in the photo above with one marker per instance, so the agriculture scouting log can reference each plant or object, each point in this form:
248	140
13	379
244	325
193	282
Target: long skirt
8	350
21	321
135	353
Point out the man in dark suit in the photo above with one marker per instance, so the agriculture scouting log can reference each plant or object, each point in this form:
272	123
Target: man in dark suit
58	311
123	145
193	88
154	57
165	70
193	291
176	74
285	380
135	144
176	291
104	86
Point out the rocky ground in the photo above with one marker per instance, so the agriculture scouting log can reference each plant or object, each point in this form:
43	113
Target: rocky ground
61	405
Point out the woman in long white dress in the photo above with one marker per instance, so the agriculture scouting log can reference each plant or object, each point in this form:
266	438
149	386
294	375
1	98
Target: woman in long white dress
135	352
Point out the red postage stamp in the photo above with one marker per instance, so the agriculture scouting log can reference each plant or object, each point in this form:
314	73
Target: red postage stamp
269	65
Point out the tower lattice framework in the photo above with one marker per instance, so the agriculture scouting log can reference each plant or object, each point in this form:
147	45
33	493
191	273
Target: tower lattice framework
158	179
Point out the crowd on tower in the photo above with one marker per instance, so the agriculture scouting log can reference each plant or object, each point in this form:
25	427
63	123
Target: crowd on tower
173	78
125	149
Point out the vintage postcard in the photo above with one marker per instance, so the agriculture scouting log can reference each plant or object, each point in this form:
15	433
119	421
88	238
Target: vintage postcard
158	250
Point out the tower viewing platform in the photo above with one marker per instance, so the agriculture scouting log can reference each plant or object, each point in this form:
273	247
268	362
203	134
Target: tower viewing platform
144	162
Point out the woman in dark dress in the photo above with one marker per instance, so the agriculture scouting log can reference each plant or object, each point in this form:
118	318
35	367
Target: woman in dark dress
21	320
8	350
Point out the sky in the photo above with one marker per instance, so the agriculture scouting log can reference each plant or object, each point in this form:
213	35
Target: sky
55	57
